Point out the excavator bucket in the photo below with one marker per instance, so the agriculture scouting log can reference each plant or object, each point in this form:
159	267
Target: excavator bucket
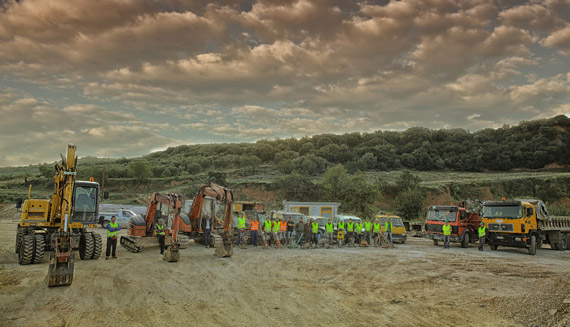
60	271
172	253
224	248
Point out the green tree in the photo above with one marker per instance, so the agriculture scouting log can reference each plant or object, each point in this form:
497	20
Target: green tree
409	204
407	181
297	187
139	170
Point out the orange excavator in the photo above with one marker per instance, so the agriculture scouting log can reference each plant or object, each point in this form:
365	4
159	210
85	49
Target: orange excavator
222	238
141	231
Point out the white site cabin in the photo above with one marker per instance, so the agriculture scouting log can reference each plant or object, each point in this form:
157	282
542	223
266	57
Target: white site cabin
323	209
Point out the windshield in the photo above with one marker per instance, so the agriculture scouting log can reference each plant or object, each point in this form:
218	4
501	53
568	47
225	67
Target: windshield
436	214
85	199
396	222
502	211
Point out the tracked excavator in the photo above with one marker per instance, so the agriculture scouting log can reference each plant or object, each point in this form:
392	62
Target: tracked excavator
141	231
60	224
222	233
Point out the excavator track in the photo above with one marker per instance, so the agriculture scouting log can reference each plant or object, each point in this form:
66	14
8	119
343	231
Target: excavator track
130	244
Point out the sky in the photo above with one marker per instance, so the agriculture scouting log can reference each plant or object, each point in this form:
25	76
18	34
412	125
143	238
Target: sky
123	78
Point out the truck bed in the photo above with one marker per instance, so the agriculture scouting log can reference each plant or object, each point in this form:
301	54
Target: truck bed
561	223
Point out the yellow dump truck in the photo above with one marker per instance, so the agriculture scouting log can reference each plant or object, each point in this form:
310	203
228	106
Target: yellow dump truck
524	223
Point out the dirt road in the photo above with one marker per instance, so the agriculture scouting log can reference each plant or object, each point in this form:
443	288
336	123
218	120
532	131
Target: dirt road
415	284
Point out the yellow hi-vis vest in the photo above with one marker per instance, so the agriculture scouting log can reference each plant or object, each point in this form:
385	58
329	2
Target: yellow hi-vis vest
241	223
315	228
160	229
340	225
276	225
376	227
367	226
267	225
350	227
481	231
358	228
446	229
330	227
113	225
386	229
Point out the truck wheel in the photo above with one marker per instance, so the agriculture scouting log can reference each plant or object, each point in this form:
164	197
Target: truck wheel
39	248
532	248
435	242
104	224
98	246
563	243
86	246
19	235
26	253
493	247
568	241
465	240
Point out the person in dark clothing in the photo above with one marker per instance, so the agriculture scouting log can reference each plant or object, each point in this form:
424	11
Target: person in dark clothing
290	229
308	233
207	228
300	230
113	229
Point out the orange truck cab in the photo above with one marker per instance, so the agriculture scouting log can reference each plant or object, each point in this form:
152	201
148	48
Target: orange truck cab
464	224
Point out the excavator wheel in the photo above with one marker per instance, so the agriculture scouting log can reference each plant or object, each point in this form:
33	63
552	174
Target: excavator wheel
86	246
19	235
26	253
39	248
98	243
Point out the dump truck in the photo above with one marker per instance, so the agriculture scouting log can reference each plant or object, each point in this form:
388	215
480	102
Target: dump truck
524	223
463	222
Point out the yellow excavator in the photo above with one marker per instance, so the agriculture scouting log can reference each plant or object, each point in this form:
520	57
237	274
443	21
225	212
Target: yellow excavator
60	223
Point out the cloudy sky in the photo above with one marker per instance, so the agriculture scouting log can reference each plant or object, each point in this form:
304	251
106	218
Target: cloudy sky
127	77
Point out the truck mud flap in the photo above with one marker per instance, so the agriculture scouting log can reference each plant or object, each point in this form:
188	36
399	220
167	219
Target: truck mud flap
60	271
130	244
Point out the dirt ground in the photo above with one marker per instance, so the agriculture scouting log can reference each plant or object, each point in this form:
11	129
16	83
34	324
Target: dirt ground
416	284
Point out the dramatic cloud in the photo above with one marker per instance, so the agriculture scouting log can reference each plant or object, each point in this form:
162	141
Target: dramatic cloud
126	77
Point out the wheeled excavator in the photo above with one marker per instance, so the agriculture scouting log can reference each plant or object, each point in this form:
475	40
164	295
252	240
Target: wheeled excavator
60	223
222	238
141	232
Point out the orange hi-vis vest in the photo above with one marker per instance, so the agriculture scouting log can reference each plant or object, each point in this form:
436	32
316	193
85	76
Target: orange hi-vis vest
254	225
283	226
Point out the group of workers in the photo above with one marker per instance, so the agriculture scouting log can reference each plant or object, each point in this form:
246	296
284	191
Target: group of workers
279	232
481	233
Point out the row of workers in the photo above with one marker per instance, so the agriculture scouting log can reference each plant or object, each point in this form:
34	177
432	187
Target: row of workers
281	231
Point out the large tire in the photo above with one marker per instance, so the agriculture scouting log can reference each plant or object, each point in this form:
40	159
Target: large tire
532	248
563	244
86	246
104	224
465	240
39	248
26	253
568	241
493	247
19	235
435	242
98	246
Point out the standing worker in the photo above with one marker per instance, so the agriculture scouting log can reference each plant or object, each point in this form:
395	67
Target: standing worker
300	229
329	229
446	228
350	231
266	233
207	228
482	235
283	230
315	232
160	235
358	231
388	230
113	229
367	230
376	232
276	228
308	233
241	228
254	230
290	229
